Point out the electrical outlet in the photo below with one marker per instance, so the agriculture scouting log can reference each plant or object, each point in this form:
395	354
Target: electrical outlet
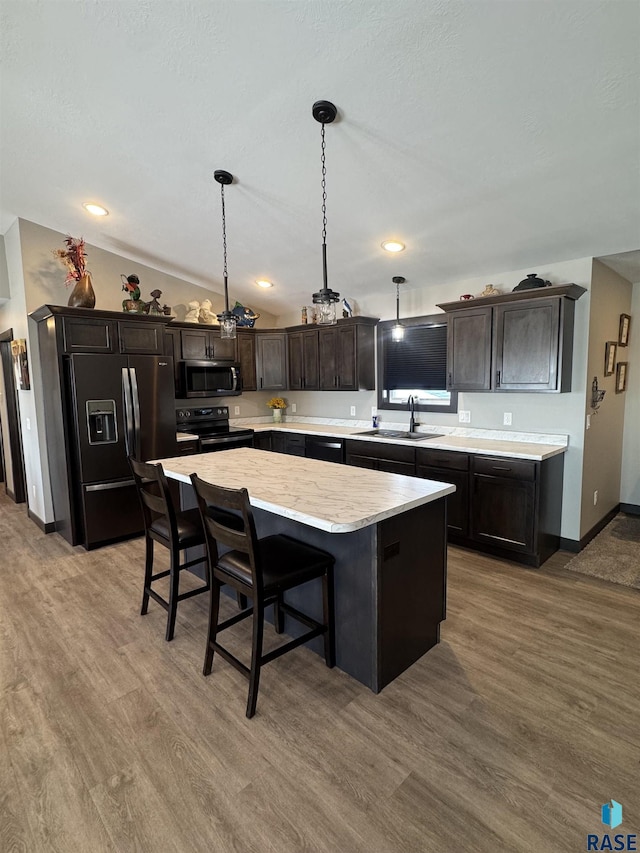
294	408
464	417
353	411
374	410
595	497
506	420
588	421
28	422
236	410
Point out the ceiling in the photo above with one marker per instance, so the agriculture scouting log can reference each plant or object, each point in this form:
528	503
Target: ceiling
487	136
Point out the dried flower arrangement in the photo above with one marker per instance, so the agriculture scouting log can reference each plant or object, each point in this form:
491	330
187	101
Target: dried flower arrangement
74	258
277	403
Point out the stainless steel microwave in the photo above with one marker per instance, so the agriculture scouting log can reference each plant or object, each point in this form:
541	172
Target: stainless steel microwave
210	379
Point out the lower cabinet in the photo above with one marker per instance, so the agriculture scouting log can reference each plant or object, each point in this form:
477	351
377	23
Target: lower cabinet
262	440
393	458
504	497
188	448
447	467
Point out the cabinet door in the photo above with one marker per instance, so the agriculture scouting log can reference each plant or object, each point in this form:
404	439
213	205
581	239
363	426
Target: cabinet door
362	461
458	502
246	355
469	350
271	350
279	442
141	338
222	348
262	440
347	358
195	344
328	347
310	360
391	466
88	335
503	503
296	370
526	345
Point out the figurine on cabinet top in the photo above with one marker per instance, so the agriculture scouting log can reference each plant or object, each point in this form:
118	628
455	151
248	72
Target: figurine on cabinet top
206	315
490	290
192	312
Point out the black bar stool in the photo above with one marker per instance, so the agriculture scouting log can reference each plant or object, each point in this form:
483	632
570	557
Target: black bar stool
262	569
175	530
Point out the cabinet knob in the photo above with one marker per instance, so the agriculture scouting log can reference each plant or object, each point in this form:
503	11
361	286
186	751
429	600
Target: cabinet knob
498	379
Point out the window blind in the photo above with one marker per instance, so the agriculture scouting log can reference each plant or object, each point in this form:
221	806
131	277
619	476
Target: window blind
419	361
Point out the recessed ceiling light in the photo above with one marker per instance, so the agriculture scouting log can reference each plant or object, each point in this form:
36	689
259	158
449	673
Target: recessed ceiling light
393	246
95	209
262	282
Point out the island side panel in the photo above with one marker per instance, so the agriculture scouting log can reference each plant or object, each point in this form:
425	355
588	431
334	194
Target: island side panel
412	560
355	587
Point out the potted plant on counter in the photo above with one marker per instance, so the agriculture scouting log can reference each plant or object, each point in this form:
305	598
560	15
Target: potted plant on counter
277	405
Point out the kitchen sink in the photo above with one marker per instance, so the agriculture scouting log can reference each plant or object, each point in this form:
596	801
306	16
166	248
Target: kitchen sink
394	433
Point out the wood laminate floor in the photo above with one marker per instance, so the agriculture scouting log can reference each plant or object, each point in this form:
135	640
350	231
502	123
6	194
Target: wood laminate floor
507	737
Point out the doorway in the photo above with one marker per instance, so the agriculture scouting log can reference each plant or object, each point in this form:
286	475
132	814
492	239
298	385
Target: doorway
12	461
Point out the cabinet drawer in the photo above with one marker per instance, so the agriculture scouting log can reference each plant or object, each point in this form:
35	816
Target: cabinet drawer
295	445
188	448
442	459
516	469
378	450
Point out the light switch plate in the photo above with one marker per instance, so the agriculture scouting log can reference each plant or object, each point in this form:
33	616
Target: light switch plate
294	408
464	417
353	411
236	410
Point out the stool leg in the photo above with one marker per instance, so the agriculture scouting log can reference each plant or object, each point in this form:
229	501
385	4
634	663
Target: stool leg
328	610
256	657
242	601
148	571
278	614
174	582
214	607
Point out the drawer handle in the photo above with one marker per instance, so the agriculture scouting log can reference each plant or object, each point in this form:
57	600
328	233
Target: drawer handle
498	379
500	468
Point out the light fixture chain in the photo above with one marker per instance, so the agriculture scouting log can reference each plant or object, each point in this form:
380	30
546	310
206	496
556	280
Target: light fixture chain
324	190
224	232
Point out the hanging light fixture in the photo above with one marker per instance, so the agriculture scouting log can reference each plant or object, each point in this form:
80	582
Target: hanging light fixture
325	112
227	320
397	332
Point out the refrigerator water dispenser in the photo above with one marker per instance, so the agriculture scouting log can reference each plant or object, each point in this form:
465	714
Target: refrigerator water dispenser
101	421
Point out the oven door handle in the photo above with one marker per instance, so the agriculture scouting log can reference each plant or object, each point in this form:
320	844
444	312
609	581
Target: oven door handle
227	439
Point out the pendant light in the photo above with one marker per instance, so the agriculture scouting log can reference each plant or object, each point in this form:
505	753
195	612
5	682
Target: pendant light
397	332
227	320
325	112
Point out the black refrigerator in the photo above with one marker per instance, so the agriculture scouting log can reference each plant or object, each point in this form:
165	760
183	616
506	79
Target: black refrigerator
120	405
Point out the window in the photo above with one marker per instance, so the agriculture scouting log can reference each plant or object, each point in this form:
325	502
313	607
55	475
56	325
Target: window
416	365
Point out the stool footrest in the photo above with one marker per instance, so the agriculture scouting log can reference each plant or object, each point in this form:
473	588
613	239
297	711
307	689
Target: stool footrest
193	592
235	619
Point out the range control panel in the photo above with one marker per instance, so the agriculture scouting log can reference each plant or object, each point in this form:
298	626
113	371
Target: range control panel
211	413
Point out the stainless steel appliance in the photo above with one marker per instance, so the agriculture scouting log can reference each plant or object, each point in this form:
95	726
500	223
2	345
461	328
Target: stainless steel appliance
209	379
120	405
211	425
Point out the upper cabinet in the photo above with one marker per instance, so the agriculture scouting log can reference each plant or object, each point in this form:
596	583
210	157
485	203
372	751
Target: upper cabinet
520	341
201	344
271	361
347	355
303	360
246	356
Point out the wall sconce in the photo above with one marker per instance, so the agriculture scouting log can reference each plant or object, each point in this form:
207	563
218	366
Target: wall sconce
597	396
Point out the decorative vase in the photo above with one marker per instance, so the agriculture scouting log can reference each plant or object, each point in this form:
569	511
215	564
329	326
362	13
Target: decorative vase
82	295
277	416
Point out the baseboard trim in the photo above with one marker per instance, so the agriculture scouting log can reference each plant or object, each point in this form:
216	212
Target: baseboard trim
45	526
11	494
630	509
576	547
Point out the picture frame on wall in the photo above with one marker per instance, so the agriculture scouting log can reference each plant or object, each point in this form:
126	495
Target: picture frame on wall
610	349
20	364
621	376
623	333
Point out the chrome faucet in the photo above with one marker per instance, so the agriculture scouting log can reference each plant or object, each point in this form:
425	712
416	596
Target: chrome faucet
413	423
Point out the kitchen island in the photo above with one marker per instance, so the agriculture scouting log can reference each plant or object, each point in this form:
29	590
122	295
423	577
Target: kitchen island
387	533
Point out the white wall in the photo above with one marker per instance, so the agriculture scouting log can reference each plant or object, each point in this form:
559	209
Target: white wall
630	485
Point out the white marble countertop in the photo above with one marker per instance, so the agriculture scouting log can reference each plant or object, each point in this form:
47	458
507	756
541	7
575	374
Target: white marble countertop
335	498
461	443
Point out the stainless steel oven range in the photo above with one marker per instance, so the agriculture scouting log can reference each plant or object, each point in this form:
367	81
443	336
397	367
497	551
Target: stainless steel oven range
211	425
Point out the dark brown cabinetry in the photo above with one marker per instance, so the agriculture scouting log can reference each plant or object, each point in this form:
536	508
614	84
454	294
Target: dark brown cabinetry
517	342
393	458
347	355
262	440
246	356
200	344
188	448
303	360
447	467
504	502
271	361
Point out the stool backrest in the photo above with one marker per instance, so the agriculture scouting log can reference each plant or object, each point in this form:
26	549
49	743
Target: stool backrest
153	493
217	505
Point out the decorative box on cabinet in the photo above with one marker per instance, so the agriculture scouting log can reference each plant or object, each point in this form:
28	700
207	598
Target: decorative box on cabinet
514	342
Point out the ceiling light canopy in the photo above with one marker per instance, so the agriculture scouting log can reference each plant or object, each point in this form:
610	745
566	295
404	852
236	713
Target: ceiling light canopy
95	209
393	246
262	282
325	112
226	319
